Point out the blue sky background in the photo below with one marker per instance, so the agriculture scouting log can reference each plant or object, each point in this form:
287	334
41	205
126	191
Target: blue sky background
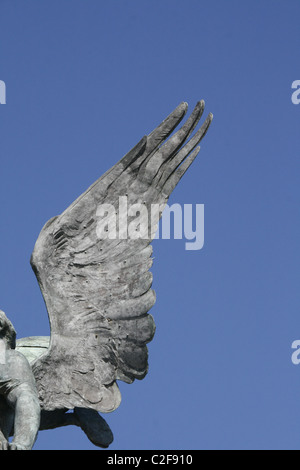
85	81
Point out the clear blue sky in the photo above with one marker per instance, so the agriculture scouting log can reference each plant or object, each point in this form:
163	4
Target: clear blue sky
85	81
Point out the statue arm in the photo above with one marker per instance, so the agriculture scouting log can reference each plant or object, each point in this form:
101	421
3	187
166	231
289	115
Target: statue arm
21	396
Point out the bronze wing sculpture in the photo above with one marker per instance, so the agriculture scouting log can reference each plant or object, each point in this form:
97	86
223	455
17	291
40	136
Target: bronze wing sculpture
98	290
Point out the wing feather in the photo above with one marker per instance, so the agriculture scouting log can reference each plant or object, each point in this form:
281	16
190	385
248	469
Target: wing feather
98	290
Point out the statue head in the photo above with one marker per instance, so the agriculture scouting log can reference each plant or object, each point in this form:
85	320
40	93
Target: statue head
7	331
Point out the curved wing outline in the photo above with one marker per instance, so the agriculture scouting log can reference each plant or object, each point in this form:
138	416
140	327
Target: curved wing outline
98	290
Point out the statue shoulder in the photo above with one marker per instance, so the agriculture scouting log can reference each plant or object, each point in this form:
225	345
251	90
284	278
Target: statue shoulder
17	359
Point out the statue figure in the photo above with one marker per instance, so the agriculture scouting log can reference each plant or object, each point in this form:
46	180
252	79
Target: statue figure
19	403
97	291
